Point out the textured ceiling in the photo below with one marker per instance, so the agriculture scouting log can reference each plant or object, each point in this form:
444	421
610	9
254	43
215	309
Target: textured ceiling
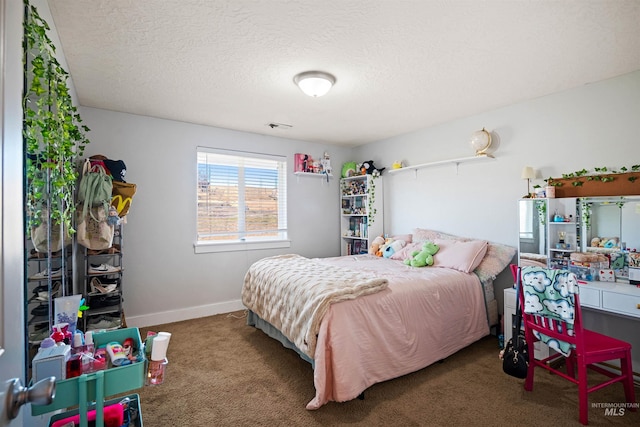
400	65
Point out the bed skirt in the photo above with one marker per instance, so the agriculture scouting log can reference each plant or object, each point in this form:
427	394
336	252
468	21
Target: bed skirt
266	327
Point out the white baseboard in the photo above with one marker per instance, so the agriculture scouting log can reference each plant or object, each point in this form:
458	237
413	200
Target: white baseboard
153	319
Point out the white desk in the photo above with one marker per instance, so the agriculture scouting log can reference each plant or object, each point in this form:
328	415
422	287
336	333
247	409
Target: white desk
618	298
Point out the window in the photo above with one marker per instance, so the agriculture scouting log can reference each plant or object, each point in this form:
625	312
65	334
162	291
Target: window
242	197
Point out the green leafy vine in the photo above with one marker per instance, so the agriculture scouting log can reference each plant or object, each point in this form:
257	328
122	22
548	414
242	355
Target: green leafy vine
371	199
602	174
53	134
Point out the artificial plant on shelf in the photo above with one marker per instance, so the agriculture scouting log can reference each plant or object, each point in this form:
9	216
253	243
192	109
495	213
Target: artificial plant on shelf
53	134
541	207
602	174
585	212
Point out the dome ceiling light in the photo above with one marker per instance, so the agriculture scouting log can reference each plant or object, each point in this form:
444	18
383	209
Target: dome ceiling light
314	83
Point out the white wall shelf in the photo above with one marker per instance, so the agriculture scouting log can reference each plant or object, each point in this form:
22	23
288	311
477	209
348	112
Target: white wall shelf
455	162
321	175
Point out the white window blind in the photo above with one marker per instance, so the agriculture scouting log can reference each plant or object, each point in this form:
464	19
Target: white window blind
241	196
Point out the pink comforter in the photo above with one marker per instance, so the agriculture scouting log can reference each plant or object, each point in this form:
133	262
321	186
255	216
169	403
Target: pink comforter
425	315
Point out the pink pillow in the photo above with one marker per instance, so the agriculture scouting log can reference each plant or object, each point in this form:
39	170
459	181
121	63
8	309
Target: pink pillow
459	255
408	238
406	252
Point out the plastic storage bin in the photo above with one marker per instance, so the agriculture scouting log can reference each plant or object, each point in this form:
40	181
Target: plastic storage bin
95	386
132	416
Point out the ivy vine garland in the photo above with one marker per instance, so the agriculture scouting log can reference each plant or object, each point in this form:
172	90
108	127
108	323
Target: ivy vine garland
602	174
371	199
53	134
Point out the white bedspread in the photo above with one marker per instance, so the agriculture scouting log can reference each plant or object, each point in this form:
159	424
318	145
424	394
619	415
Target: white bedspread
293	293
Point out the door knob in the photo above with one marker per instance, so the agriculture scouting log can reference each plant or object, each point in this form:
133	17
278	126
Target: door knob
41	393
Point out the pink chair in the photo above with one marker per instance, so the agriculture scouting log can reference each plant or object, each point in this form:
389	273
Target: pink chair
551	313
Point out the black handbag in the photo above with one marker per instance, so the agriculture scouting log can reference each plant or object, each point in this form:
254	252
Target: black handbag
515	359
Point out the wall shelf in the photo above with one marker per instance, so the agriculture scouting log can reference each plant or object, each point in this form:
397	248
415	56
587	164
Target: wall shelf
455	162
311	174
321	175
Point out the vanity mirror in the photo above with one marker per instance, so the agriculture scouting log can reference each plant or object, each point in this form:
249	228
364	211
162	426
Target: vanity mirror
532	238
551	229
610	223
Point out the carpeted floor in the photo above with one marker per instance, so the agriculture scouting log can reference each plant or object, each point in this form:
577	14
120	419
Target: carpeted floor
224	373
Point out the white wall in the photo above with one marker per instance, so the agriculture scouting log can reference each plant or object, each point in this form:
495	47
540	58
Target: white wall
164	279
594	125
591	126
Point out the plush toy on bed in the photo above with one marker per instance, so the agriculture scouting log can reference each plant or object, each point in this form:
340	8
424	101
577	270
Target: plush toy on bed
374	249
424	257
393	247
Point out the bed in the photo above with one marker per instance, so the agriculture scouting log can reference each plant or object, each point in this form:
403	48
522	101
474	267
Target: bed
360	320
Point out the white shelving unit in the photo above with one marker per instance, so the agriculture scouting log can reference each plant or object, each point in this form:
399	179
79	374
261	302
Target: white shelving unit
361	218
562	236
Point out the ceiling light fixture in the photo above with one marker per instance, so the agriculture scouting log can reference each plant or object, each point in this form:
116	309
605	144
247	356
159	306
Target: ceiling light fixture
314	83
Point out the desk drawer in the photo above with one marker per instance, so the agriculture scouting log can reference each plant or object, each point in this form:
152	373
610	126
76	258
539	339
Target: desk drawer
621	303
589	297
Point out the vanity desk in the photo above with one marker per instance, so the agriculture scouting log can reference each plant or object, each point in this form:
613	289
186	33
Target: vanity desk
550	230
616	298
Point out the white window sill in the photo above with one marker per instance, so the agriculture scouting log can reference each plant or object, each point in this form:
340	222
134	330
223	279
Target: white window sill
205	248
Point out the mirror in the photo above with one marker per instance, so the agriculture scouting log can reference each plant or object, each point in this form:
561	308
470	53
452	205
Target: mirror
610	224
532	239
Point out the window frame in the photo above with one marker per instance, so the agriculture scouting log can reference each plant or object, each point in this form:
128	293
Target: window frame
252	243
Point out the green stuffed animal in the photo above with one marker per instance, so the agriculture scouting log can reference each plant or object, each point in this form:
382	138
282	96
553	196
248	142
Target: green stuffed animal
424	257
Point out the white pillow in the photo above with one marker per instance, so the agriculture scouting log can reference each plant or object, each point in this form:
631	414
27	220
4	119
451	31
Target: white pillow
458	255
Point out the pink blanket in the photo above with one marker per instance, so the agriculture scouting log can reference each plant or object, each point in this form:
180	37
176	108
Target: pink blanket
424	315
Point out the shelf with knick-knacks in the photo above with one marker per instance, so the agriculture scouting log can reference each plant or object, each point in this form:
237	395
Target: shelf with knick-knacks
360	213
562	231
